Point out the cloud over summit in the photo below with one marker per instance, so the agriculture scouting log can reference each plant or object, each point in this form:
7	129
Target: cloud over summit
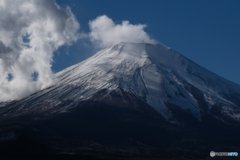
104	32
30	31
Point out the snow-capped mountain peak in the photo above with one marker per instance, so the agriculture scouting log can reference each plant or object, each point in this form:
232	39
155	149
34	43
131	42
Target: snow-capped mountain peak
154	73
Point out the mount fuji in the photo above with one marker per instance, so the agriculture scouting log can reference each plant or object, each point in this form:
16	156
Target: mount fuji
129	100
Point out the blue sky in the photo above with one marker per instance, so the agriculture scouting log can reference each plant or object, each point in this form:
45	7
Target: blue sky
205	31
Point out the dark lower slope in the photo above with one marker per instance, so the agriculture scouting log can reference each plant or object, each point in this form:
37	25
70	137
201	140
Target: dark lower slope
116	125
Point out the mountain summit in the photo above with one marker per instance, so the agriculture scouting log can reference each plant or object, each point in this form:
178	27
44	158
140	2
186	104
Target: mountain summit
131	81
155	74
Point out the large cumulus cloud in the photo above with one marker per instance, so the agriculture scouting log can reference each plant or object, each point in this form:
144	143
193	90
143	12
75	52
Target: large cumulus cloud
104	32
30	32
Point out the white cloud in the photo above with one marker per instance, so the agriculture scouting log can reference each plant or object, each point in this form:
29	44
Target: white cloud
104	32
30	31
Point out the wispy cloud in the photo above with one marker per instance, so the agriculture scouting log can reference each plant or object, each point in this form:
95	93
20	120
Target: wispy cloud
30	31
